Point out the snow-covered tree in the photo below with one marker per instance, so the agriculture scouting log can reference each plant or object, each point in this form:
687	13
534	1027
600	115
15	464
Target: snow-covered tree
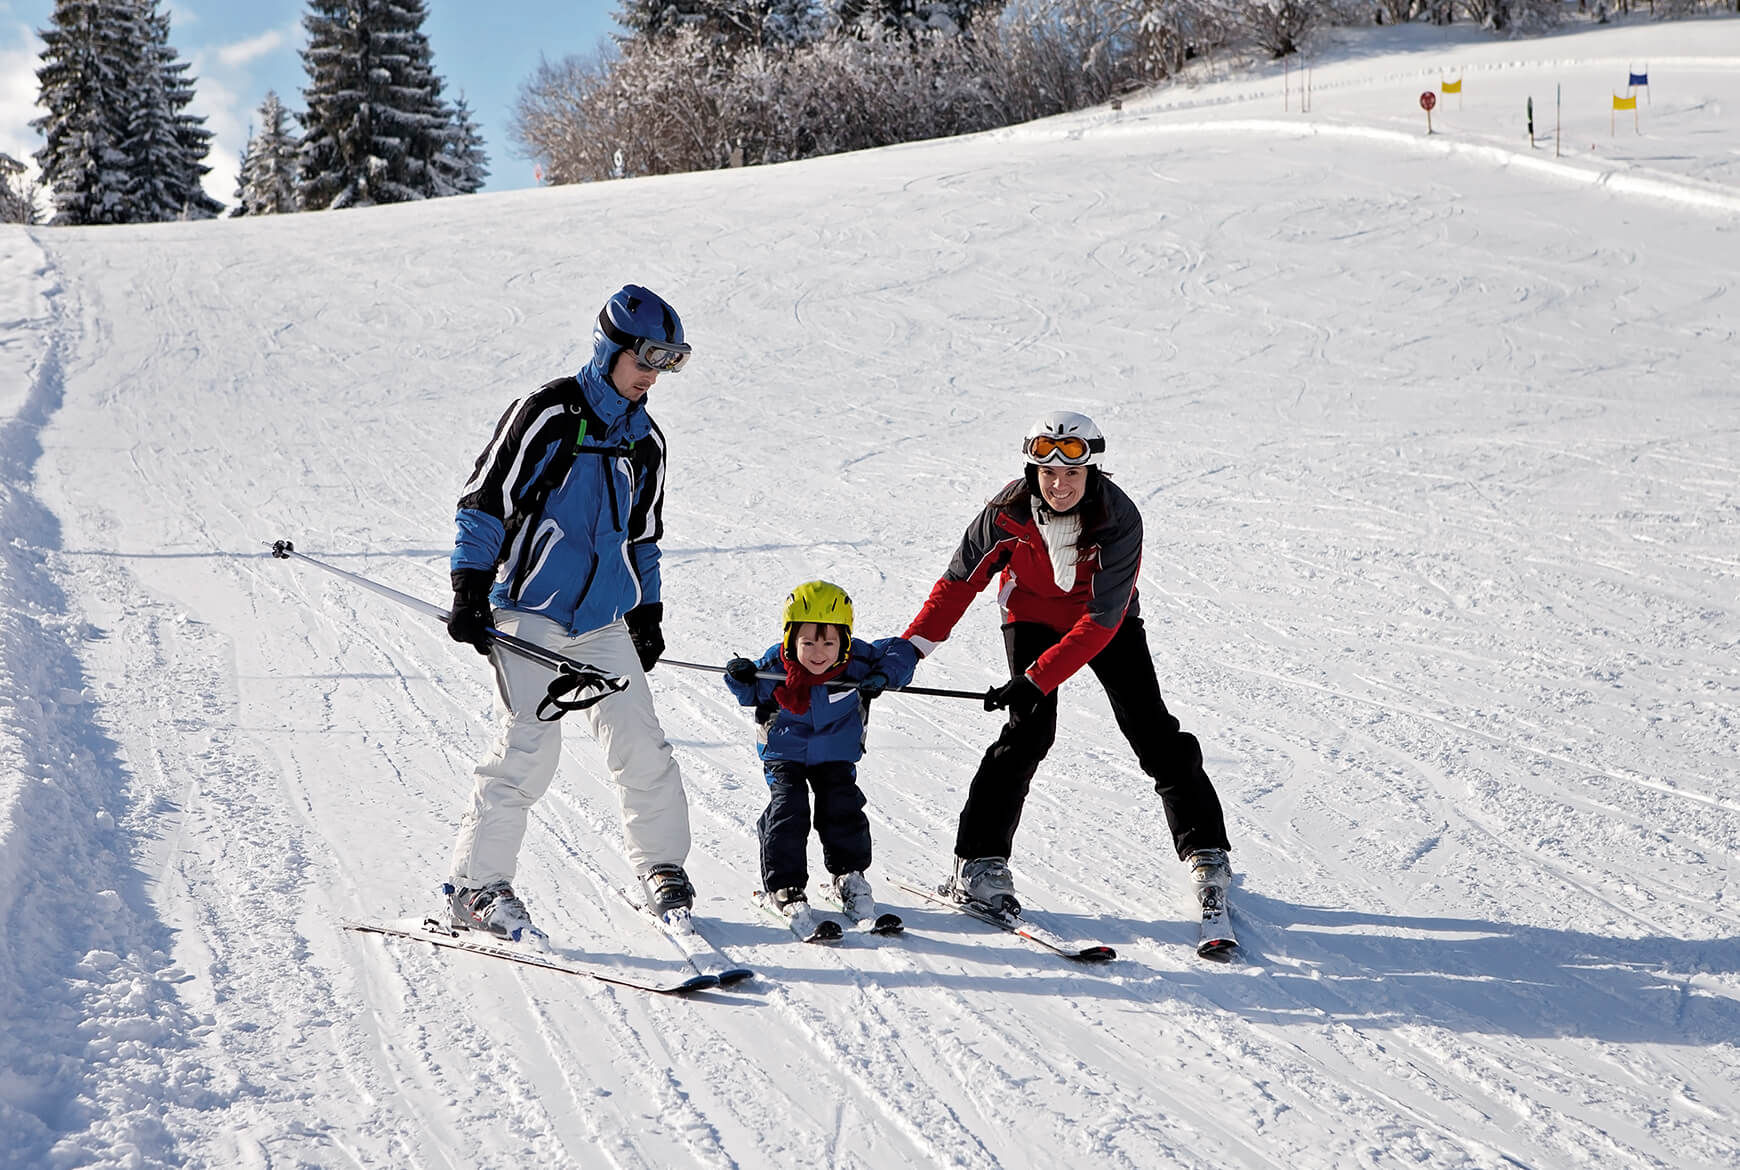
83	79
166	145
376	128
735	25
465	164
267	182
1279	27
647	20
119	147
17	193
788	24
916	18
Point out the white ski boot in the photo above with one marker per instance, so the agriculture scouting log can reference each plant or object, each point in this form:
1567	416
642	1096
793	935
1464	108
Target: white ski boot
1210	875
494	909
853	892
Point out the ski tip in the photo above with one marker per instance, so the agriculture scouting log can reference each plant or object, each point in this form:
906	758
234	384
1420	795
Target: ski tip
1096	954
698	983
733	975
887	924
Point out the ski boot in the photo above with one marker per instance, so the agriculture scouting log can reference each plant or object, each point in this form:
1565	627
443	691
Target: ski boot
986	881
667	889
853	891
493	909
1210	876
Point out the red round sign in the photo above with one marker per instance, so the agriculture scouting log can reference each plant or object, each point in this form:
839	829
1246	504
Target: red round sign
1428	100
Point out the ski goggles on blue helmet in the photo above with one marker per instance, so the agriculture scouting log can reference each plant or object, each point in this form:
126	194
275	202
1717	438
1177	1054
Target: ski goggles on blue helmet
667	357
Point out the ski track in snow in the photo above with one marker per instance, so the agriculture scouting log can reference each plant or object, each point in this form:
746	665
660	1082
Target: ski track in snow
1438	456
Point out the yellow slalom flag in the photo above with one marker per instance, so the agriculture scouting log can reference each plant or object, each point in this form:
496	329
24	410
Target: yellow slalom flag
1620	103
1451	86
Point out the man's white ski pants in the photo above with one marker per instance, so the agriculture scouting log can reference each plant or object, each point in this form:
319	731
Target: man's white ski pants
518	769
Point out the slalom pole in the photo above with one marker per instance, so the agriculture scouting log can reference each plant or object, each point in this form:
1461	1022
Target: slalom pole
576	675
836	685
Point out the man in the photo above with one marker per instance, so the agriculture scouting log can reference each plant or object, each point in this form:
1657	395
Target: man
557	544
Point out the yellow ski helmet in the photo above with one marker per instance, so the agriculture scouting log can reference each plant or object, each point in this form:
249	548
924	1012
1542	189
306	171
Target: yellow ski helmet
821	602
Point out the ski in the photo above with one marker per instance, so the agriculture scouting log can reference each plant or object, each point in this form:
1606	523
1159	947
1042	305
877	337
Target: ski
439	934
1023	925
1216	940
806	923
885	922
700	952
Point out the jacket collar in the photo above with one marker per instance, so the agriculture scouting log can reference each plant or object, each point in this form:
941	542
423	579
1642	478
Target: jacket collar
619	416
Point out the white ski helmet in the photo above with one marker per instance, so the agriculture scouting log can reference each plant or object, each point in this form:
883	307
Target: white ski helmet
1064	438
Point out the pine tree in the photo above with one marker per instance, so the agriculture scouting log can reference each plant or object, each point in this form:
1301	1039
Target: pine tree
267	182
649	19
790	24
915	17
83	80
165	147
186	162
17	194
376	128
466	166
119	148
732	23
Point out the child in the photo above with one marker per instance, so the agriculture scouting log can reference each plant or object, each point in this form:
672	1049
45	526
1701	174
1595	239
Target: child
811	737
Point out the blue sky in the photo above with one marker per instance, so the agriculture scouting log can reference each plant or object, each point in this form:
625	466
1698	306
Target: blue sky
241	48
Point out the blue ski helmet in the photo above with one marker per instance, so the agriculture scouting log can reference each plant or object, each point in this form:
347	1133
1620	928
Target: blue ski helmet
639	319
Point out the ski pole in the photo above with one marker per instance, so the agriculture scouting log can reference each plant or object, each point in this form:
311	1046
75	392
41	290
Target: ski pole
835	685
574	674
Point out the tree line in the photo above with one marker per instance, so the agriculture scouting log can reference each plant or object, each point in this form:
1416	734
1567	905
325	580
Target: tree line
120	146
688	85
703	84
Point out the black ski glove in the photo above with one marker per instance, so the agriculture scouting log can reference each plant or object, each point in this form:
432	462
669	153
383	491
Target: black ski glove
740	670
643	626
1020	694
471	619
873	685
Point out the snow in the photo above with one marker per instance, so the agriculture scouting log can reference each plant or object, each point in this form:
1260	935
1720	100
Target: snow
1438	447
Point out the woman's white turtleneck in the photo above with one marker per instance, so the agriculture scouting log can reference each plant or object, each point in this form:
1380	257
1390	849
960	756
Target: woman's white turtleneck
1060	531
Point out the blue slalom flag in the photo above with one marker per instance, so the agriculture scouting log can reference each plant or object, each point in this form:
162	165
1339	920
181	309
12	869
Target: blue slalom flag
1638	79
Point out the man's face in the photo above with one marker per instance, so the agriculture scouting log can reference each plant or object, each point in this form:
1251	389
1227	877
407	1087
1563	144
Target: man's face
631	379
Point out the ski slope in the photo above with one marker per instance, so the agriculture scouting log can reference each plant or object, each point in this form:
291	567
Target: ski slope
1438	445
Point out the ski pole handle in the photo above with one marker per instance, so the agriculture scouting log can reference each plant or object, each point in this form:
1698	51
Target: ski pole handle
835	685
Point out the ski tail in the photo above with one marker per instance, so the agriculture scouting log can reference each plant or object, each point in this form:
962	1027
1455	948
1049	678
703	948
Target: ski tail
449	937
1029	925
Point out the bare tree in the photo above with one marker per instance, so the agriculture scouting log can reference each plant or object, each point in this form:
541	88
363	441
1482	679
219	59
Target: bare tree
1280	27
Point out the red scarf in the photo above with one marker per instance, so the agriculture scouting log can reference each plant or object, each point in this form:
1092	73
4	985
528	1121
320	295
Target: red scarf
794	693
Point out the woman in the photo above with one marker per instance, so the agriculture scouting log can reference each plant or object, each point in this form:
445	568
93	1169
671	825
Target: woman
1067	543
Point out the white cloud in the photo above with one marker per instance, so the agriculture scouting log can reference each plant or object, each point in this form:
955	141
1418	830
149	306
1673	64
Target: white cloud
226	115
227	93
242	52
19	48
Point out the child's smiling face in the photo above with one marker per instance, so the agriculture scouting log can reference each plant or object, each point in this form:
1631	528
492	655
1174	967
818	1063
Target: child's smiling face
818	646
